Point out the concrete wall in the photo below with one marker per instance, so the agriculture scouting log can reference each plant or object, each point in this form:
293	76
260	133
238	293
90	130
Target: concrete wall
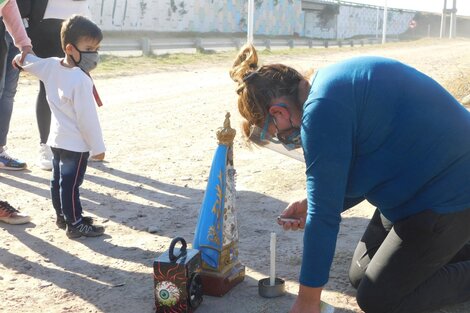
272	17
355	20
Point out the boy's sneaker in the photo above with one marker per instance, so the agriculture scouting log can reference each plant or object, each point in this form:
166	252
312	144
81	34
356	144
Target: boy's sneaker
84	229
10	215
45	157
62	224
9	163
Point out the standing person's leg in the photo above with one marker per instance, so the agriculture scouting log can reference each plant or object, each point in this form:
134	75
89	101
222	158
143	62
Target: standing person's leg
43	117
411	270
55	191
7	97
43	114
72	167
55	188
5	111
46	42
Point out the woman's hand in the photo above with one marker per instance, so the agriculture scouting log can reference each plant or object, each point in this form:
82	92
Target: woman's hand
308	300
294	215
19	59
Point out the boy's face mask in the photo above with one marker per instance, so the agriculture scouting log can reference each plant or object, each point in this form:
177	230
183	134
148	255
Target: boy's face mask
88	60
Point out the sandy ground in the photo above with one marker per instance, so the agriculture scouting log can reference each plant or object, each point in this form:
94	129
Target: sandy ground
160	133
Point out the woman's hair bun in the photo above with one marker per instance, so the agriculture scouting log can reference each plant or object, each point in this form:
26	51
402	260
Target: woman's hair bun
245	62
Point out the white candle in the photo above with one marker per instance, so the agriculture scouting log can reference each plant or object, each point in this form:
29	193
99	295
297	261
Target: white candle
272	275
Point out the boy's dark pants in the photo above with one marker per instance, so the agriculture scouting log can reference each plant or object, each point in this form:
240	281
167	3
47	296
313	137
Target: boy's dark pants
419	264
67	175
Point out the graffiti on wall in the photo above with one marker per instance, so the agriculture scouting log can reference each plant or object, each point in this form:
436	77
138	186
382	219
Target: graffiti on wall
350	21
276	17
271	17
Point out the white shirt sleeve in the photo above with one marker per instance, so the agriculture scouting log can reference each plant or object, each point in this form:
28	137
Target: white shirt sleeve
39	67
87	117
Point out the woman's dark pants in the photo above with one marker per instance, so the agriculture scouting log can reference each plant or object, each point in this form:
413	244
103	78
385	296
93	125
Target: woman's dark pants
418	264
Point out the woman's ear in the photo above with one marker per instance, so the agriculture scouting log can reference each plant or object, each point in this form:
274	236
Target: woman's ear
279	111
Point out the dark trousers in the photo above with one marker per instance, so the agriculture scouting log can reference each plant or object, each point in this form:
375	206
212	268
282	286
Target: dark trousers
45	37
418	264
67	176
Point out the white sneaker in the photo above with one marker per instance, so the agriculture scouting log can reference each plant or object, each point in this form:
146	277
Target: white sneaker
45	157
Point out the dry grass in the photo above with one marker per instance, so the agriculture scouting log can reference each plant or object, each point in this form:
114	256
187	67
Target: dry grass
460	88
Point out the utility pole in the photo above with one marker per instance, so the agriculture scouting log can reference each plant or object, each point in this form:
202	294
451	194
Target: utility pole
443	20
384	28
251	15
377	26
453	20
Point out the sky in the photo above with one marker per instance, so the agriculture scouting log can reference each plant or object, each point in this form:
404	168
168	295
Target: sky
463	6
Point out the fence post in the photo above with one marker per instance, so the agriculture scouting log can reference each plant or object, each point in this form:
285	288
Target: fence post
237	43
325	43
267	43
290	43
198	45
146	47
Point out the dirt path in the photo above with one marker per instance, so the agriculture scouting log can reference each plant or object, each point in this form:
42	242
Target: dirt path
160	134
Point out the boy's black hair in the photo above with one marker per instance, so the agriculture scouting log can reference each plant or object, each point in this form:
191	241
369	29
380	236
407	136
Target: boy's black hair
77	27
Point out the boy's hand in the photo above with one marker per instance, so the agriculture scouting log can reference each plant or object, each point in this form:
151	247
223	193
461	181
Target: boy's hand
97	158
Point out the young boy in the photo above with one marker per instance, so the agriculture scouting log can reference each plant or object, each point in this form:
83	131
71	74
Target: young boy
75	128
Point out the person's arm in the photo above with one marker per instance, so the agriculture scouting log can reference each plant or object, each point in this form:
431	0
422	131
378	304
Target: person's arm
327	139
294	215
39	67
87	118
14	25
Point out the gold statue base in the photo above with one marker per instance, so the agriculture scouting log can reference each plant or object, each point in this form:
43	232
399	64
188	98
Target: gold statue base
218	284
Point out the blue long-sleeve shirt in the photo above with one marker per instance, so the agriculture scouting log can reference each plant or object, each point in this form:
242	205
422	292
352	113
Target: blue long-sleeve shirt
377	129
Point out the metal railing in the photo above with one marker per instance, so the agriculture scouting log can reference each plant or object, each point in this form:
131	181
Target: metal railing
153	46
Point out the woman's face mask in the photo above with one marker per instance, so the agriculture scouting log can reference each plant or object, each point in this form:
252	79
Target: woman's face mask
291	141
274	144
289	138
88	60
